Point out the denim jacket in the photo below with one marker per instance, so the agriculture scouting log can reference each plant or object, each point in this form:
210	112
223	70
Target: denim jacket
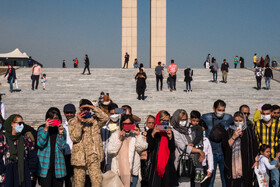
227	120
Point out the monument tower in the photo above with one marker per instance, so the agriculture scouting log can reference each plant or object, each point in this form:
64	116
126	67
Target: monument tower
157	32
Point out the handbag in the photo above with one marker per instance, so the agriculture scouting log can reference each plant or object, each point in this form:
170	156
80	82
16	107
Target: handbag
111	179
185	165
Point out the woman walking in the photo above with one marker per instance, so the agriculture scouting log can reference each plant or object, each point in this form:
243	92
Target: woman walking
188	78
141	84
11	72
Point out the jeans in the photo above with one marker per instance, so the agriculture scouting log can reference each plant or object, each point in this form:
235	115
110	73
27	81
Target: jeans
235	65
218	159
159	78
11	83
274	174
188	85
125	63
259	82
35	79
173	82
215	75
134	181
267	82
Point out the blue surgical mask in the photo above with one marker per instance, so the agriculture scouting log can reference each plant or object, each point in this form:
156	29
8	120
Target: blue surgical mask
0	125
19	128
204	133
165	123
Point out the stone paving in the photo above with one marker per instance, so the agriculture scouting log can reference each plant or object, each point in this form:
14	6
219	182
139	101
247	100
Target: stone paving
69	86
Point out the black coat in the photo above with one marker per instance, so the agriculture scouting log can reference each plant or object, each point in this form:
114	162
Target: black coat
188	75
141	83
249	150
170	177
13	74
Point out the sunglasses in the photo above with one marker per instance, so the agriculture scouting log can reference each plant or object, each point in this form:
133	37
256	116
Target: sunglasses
20	123
246	113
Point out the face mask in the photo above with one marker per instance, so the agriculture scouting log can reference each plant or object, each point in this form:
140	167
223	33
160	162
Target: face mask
165	123
0	125
114	117
204	133
183	123
220	114
239	125
113	127
266	118
19	128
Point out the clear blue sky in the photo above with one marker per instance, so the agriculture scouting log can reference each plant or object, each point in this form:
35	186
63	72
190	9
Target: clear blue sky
53	30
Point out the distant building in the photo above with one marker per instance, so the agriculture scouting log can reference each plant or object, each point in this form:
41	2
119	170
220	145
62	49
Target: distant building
16	58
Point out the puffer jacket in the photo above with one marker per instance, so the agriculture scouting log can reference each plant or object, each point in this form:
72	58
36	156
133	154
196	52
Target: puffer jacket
137	145
87	143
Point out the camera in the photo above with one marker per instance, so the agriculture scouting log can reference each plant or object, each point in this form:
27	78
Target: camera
163	127
120	111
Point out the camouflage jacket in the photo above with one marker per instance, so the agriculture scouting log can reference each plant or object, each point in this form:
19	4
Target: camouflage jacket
87	143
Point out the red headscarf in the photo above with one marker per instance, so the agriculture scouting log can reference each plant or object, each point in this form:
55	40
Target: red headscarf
163	152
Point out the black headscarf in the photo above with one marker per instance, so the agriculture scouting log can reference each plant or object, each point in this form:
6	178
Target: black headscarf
17	154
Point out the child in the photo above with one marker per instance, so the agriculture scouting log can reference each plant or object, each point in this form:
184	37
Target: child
44	80
197	142
264	164
208	162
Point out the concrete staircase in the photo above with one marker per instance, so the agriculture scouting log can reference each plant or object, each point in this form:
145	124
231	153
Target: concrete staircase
69	86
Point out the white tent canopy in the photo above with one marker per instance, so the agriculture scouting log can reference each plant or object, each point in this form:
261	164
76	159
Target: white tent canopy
14	54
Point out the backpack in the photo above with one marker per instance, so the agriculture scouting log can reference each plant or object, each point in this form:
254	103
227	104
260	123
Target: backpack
217	132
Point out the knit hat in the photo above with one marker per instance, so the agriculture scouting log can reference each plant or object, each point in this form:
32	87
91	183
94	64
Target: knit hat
85	102
69	108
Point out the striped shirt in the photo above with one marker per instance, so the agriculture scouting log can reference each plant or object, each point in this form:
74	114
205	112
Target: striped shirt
269	135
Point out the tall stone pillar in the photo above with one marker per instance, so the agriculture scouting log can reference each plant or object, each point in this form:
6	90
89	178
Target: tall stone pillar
158	32
129	30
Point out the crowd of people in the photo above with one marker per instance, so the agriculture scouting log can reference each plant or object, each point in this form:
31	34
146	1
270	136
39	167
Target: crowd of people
105	142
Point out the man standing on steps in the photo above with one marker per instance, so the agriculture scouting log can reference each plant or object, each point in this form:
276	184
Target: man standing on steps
159	75
126	59
86	65
172	70
235	61
69	112
212	119
255	60
224	69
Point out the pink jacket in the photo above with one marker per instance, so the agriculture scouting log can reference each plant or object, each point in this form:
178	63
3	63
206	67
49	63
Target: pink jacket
37	70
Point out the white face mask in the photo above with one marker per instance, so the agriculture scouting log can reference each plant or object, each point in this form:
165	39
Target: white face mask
220	114
114	117
266	118
183	123
239	125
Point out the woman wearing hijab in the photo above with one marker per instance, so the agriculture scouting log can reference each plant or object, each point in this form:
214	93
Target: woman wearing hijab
182	137
11	72
18	160
125	146
240	148
141	84
51	142
188	78
161	148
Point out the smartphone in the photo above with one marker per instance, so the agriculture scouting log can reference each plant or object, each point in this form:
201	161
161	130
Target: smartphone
120	111
129	127
88	115
56	122
163	127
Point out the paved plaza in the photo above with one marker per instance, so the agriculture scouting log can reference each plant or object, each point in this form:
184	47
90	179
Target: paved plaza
69	86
